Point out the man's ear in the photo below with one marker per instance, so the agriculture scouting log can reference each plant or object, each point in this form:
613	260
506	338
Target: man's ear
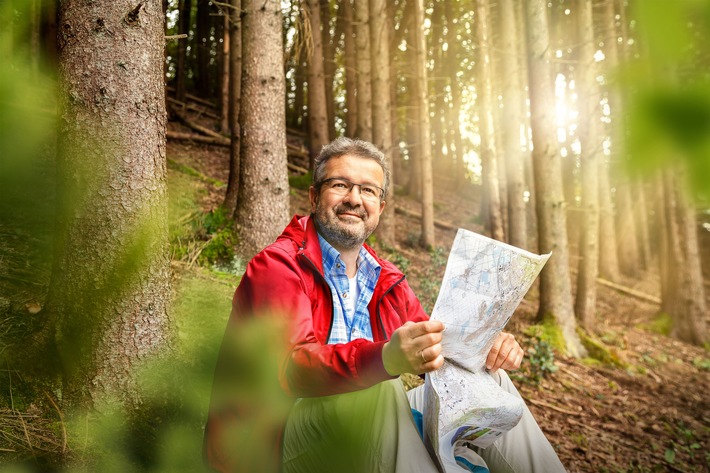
313	197
382	206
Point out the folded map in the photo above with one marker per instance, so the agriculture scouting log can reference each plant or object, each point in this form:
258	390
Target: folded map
484	282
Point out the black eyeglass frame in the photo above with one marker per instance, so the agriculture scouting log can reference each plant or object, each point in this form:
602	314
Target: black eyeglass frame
352	184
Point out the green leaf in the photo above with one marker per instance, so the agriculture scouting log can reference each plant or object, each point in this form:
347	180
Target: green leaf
669	455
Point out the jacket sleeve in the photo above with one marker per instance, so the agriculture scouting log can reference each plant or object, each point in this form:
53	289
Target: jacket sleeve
274	284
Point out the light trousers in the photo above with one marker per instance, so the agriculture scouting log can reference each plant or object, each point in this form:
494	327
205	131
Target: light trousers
373	431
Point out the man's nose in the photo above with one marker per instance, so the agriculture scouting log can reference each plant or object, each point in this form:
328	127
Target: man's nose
353	196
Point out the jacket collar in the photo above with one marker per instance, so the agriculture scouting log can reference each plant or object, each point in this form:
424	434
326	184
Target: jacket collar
302	231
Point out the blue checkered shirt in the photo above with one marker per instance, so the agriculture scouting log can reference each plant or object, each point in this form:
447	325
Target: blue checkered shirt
349	323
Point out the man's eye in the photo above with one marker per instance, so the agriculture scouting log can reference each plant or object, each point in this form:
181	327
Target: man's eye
369	190
339	185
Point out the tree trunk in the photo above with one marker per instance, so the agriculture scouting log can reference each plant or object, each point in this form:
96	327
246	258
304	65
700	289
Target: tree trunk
263	202
624	53
512	97
235	88
591	139
642	224
555	284
364	70
110	285
414	183
185	12
608	254
531	214
485	118
684	299
452	59
350	69
203	46
328	44
381	113
628	249
223	58
317	112
427	239
397	155
299	94
437	83
608	248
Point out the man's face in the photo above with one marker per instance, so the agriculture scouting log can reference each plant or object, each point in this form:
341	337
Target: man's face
345	221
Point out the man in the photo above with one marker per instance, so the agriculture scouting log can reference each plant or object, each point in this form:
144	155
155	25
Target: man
354	326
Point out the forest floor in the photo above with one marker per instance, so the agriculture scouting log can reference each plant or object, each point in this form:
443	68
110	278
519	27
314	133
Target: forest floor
645	409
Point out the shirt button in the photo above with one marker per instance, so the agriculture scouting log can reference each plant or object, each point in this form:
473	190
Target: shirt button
345	295
337	265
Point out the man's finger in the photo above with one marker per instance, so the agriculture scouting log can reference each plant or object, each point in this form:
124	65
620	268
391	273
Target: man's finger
493	354
423	328
503	354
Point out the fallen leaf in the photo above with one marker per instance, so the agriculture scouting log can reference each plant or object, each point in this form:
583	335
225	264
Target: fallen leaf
33	307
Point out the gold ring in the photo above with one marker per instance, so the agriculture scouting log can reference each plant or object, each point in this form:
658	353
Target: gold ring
423	359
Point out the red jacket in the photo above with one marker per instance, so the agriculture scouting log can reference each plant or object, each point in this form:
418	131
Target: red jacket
287	278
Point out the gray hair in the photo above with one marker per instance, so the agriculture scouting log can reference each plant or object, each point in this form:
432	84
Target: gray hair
352	147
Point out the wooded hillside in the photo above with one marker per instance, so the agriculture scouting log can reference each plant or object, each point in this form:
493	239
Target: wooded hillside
148	149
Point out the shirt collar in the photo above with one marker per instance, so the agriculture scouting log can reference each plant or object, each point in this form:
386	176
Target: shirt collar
331	258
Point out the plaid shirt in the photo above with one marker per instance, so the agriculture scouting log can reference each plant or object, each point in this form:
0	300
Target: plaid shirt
348	323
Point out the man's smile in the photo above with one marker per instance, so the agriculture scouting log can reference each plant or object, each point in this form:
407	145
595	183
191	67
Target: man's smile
351	214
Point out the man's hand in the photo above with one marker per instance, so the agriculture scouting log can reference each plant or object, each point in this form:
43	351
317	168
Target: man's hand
506	353
414	348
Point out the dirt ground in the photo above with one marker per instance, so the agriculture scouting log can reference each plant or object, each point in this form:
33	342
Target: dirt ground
649	414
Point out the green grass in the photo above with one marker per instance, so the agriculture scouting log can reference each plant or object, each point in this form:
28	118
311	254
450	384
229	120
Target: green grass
183	203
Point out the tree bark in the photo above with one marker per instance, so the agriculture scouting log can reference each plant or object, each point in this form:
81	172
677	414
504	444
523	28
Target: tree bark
427	239
624	53
110	286
437	83
263	202
512	97
185	12
608	247
350	69
317	110
299	95
397	155
203	46
627	235
414	183
381	105
684	297
328	42
485	118
223	58
555	284
452	59
364	70
235	88
608	254
591	140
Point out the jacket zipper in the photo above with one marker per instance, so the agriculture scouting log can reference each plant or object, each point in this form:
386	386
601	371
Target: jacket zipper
379	316
315	270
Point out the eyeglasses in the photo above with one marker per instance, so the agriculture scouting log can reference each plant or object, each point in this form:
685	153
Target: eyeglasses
340	186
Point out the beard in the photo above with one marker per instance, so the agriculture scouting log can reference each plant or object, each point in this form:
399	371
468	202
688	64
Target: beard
340	234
